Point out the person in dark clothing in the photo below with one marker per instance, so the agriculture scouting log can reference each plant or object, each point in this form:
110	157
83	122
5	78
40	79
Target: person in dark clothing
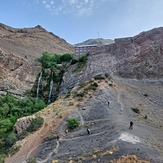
131	125
88	131
145	117
108	103
57	137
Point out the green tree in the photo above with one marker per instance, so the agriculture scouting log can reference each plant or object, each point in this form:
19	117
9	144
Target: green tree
5	125
66	57
10	139
83	58
47	60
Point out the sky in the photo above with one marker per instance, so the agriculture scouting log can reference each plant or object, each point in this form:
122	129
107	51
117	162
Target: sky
80	20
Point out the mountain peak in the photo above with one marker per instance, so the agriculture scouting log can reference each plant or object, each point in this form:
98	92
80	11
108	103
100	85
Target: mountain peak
100	41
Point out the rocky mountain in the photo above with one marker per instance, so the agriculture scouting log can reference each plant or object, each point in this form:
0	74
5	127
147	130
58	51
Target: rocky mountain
98	41
122	83
19	49
138	57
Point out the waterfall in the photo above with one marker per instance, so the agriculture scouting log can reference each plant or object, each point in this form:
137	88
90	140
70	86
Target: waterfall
38	85
51	87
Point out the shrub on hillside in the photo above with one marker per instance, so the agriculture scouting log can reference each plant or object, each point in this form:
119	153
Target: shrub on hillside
83	58
94	84
72	123
35	124
66	57
74	61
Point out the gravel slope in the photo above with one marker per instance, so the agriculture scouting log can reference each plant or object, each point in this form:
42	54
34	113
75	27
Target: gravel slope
110	136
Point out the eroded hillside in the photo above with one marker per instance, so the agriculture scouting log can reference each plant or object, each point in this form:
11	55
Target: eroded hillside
110	137
19	49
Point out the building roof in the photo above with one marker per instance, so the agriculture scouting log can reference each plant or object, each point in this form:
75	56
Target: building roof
85	46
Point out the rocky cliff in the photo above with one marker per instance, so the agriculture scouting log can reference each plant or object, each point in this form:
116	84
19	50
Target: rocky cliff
139	57
19	49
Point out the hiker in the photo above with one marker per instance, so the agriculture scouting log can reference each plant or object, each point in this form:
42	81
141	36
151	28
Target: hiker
108	103
131	125
146	117
88	131
66	131
57	137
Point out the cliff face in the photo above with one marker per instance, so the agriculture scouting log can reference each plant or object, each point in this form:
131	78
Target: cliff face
19	49
16	73
137	57
140	56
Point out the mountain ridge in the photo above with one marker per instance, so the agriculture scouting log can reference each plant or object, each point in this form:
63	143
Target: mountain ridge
98	41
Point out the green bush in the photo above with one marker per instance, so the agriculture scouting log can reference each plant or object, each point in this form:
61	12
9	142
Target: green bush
66	58
10	139
74	61
94	84
72	123
12	108
35	124
83	58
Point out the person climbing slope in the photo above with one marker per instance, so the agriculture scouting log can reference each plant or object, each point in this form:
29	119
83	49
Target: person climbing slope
88	131
131	125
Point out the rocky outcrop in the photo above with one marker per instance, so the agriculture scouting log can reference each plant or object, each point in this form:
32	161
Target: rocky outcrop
19	49
137	57
16	74
140	56
23	123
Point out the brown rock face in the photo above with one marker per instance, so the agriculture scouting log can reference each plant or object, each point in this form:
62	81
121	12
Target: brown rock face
140	56
19	49
23	123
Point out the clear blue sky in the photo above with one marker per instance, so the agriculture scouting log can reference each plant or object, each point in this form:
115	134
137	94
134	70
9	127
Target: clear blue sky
79	20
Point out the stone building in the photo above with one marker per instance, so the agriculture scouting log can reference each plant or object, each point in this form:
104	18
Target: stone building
85	49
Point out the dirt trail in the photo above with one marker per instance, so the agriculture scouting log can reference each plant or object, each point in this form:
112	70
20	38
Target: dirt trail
53	116
50	154
108	126
81	118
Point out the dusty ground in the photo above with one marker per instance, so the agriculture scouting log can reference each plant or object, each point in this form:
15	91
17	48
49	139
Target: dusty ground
110	136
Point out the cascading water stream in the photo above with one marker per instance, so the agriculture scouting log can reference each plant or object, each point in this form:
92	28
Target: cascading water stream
38	85
51	87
